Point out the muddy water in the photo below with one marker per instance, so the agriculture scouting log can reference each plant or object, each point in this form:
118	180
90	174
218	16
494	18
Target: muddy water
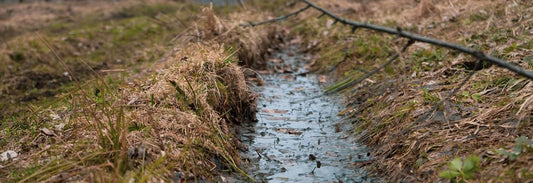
295	134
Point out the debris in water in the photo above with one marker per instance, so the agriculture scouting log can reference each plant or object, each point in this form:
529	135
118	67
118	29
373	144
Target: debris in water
288	77
312	157
295	132
337	129
271	111
289	131
277	118
322	79
286	109
318	165
276	60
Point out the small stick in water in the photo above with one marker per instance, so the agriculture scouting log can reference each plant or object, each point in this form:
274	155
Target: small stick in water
318	165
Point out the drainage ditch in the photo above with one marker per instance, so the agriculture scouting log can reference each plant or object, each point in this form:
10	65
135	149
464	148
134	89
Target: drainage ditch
298	137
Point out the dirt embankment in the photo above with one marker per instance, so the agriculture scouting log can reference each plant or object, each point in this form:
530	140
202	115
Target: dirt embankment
172	124
392	110
51	45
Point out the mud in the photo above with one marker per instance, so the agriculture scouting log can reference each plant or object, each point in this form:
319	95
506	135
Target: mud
299	138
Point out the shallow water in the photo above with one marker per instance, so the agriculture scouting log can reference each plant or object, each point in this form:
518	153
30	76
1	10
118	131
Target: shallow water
294	132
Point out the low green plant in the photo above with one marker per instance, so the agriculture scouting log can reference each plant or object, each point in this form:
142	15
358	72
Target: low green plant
528	60
522	145
477	97
231	53
428	97
459	170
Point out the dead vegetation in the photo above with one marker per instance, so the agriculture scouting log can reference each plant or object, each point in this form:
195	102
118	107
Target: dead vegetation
171	125
393	110
175	124
127	36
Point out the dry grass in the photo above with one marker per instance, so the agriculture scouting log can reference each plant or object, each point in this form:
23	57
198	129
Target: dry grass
488	113
129	37
171	125
177	121
20	18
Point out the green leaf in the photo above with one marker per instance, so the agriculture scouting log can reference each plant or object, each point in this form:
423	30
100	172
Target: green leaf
528	59
517	149
503	152
468	166
448	174
476	160
471	165
456	164
523	140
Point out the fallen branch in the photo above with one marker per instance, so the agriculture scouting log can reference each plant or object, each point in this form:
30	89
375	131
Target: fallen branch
478	54
398	31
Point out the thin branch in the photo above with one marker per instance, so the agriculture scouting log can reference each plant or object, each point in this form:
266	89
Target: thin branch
479	55
252	24
355	25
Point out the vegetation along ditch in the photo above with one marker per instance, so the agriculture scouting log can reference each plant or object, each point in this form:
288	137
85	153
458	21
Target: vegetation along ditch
266	91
